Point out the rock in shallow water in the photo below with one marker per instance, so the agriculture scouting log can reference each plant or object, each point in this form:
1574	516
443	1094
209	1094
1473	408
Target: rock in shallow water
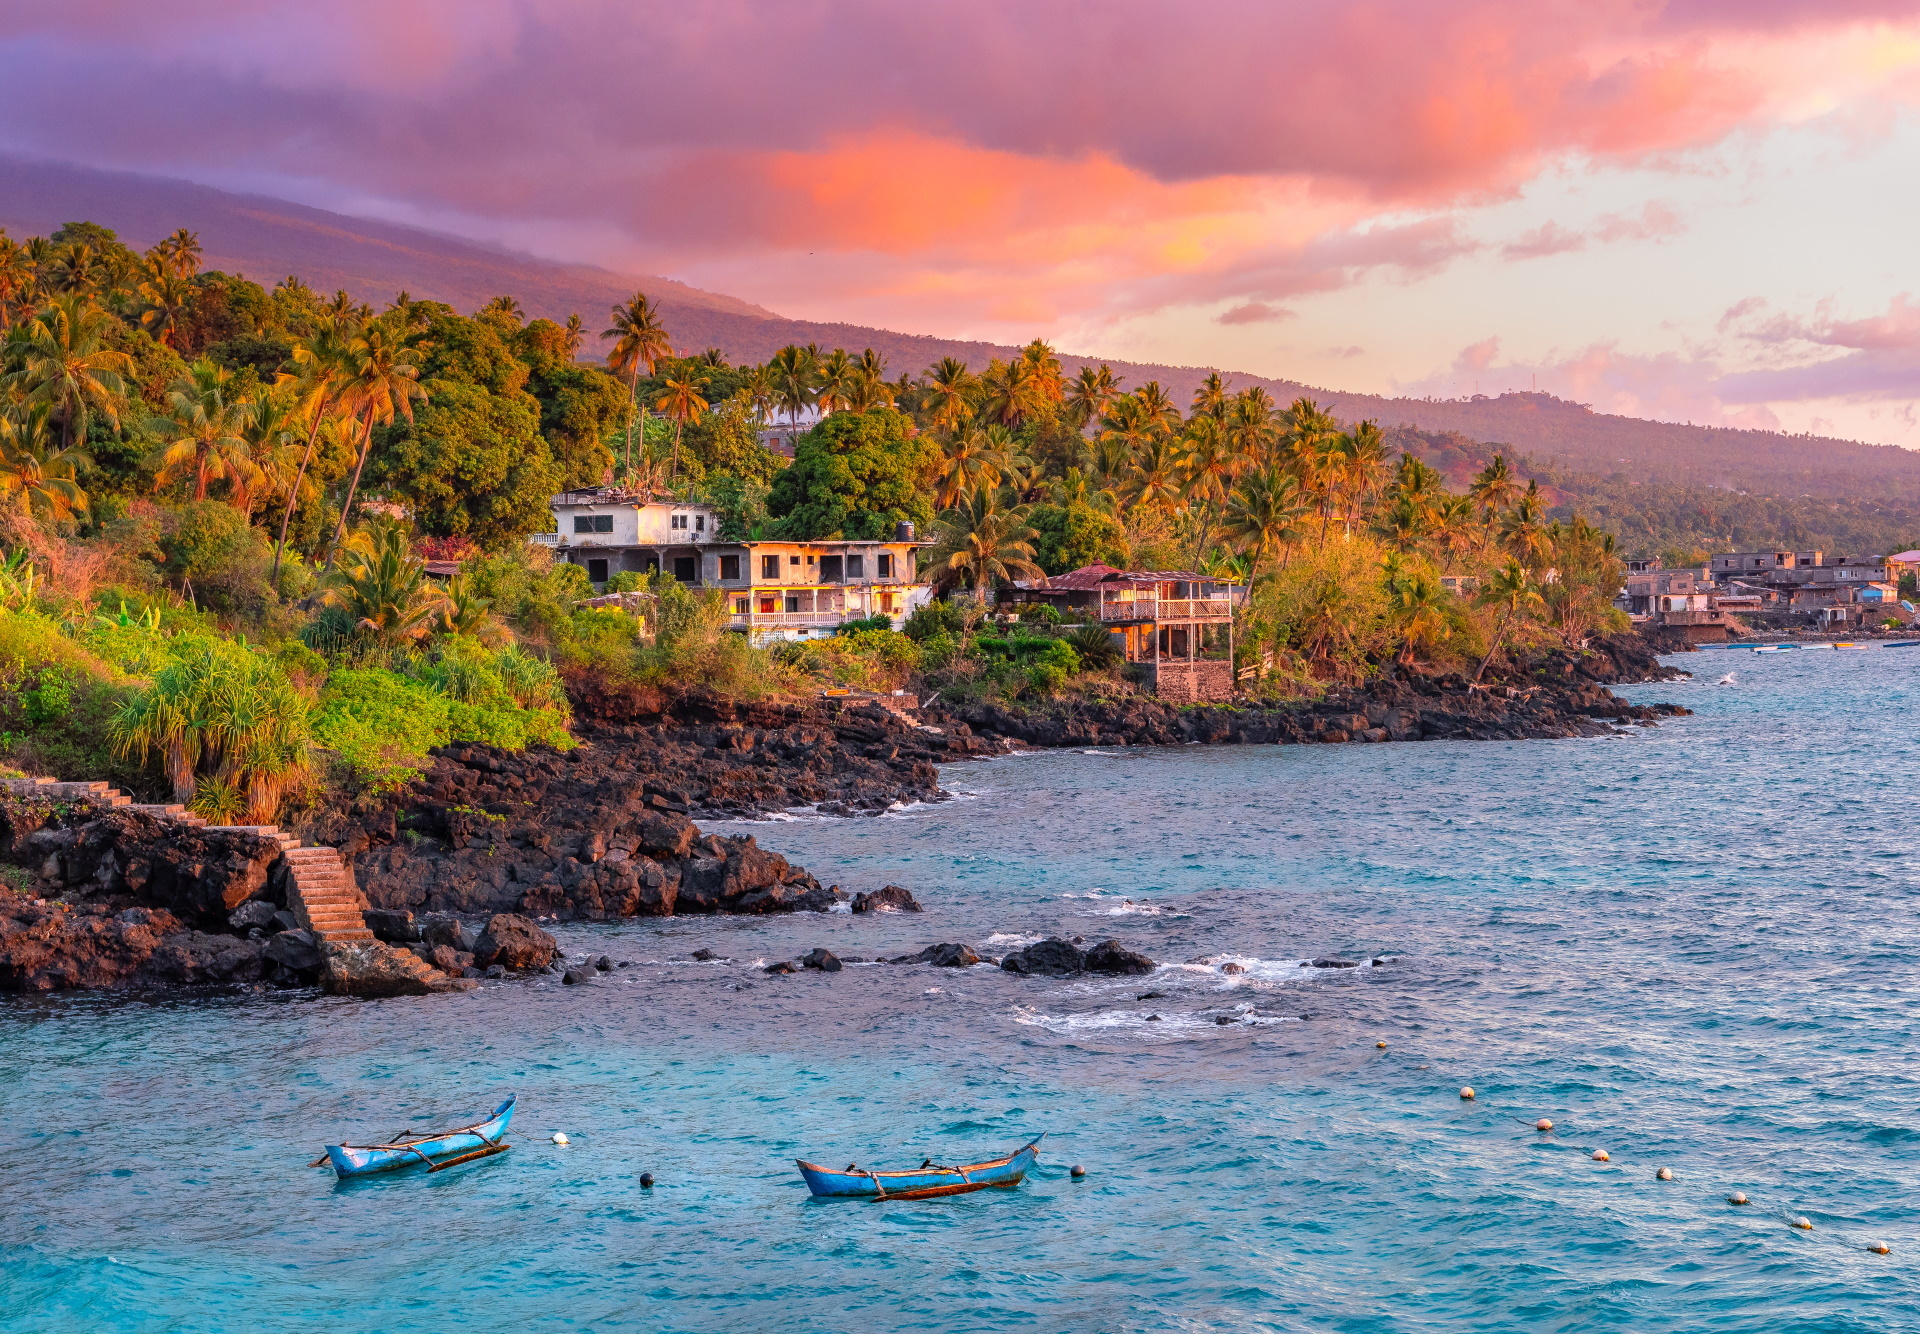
952	955
578	975
514	942
1048	958
1111	956
888	898
821	959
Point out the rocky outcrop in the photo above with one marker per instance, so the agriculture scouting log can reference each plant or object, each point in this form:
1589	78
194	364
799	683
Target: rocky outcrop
888	898
514	942
582	835
374	970
1065	958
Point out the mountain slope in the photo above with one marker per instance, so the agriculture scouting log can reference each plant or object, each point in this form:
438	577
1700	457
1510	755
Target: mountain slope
268	238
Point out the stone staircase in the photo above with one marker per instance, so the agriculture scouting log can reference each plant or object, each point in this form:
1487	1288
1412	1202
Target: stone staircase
321	893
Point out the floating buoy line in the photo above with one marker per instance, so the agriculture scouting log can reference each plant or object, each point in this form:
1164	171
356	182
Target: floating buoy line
1799	1222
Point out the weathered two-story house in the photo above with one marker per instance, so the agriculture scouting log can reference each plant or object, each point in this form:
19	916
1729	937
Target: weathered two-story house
775	589
1174	626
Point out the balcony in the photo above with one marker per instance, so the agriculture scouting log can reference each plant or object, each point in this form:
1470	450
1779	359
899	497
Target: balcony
544	539
1168	609
771	620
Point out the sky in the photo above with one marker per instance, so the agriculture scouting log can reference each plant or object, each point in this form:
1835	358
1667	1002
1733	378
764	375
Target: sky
1696	210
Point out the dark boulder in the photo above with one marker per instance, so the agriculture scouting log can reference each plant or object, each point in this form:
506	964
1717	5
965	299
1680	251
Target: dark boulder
889	898
780	966
1049	958
514	942
820	959
578	975
1112	957
1333	963
393	925
439	928
252	913
296	951
942	956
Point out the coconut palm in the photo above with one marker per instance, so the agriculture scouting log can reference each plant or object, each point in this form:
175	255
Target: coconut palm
324	365
1124	432
1263	514
384	588
1523	529
272	430
203	434
870	390
35	470
1208	467
974	462
1251	425
1011	391
1493	489
165	299
1154	483
63	361
381	383
574	333
178	255
835	376
1513	591
1417	604
795	380
1210	399
18	280
682	402
1090	395
1074	487
1047	381
759	392
1363	465
640	341
1159	407
949	387
983	541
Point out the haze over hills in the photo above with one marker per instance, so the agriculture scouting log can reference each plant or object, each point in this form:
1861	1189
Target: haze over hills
266	239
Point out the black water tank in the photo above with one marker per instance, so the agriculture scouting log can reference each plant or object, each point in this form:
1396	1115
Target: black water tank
903	531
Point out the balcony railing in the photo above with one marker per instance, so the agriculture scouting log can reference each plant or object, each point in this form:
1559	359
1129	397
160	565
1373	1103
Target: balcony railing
743	619
545	539
1168	609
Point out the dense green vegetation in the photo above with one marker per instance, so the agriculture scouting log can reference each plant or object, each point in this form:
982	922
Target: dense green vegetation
218	503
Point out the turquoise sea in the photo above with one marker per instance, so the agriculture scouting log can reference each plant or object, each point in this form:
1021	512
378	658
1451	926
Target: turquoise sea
1693	947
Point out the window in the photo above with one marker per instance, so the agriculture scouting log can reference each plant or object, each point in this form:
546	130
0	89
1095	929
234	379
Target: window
830	569
793	602
596	572
856	567
686	568
886	603
593	523
809	558
768	607
739	606
679	522
699	523
769	569
884	566
730	568
793	560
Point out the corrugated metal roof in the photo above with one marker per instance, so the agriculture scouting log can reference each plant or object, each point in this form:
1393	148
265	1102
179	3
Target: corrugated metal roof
1094	576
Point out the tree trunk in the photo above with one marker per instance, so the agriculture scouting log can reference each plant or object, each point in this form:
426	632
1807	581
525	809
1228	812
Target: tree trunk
339	530
293	495
1499	633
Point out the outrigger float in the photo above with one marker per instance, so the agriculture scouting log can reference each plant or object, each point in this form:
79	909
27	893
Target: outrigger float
481	1140
923	1182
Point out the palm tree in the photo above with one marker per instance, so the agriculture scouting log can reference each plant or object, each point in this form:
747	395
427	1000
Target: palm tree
870	389
640	340
1124	432
835	376
1208	468
1090	395
1011	391
575	334
1210	399
1158	407
681	402
794	381
1493	488
203	434
272	428
759	393
324	364
1263	514
382	382
1417	604
178	255
974	462
1250	425
1048	383
505	309
949	387
64	362
1523	531
1363	462
17	281
165	299
1076	488
983	541
1154	483
37	472
384	588
1513	590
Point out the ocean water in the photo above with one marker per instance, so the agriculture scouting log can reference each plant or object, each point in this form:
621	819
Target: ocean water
1693	947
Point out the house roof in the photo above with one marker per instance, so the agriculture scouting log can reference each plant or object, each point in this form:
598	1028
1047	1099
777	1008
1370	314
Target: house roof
1095	575
1906	556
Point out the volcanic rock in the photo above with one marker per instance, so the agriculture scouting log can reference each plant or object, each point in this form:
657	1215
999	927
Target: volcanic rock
1112	957
1048	958
888	898
821	959
942	956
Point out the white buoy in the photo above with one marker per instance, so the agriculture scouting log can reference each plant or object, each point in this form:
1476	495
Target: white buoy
1466	1095
1881	1248
1543	1125
1665	1174
1738	1198
1805	1225
1600	1156
560	1137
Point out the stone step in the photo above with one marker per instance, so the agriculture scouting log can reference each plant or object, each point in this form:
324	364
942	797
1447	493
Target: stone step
342	892
361	936
303	856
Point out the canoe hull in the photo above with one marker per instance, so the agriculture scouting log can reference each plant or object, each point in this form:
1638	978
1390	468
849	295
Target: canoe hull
926	1183
359	1160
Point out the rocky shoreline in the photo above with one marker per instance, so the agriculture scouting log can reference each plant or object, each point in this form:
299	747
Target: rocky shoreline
103	897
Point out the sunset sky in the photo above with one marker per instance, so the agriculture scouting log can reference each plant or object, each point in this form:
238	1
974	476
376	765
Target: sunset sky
1699	210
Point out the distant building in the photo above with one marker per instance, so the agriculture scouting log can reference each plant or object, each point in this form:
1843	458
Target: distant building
1902	564
776	590
1683	599
1174	626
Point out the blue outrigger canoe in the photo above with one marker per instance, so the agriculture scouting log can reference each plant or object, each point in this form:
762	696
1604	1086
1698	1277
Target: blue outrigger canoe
920	1183
430	1151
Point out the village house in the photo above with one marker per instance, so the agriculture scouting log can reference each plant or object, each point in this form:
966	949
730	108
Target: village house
1174	627
775	589
1683	599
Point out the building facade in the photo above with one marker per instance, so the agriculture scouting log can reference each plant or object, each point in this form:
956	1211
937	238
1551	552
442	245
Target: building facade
1173	627
775	590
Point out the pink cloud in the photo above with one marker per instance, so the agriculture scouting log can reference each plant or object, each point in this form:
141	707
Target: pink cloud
1254	312
1547	239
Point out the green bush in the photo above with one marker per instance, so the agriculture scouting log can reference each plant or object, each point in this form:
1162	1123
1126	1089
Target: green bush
203	537
382	725
935	618
58	698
